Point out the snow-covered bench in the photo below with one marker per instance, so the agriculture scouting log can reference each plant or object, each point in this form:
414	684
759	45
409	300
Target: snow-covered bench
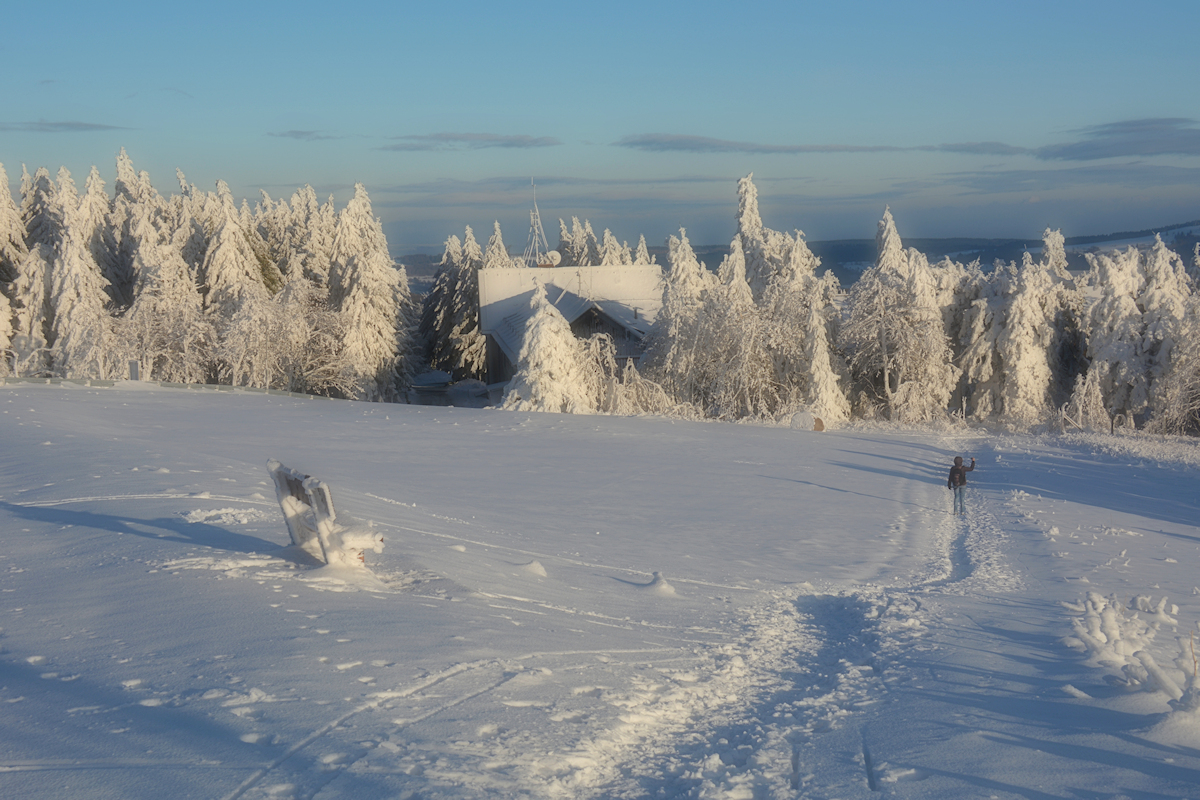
308	509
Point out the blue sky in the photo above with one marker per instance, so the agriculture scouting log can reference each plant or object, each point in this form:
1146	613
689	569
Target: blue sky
991	119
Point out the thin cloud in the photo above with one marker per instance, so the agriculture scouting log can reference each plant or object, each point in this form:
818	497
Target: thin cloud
303	136
467	141
521	183
1135	176
978	149
683	143
42	126
1138	137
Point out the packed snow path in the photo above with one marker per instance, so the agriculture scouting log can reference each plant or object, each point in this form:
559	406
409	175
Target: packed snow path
585	607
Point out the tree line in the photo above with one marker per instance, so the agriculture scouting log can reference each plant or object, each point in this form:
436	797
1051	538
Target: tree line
765	336
297	295
289	295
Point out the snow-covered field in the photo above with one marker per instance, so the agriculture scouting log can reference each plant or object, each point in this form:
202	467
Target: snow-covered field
585	607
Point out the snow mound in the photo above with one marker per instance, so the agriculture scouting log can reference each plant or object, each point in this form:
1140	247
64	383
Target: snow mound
659	585
535	567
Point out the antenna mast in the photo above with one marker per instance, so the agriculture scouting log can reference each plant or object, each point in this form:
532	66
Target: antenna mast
537	250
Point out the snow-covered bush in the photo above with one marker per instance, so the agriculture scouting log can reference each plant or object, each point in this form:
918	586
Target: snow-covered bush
1119	637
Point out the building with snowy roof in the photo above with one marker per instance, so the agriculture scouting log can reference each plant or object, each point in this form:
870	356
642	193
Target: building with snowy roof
621	301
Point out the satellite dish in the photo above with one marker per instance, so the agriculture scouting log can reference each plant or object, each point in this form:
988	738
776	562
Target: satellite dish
554	257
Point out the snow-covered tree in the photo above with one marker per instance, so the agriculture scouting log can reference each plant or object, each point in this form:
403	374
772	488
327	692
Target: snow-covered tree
95	213
436	313
767	252
671	350
364	288
166	329
735	372
1134	329
496	255
12	233
899	353
80	329
31	310
1177	392
309	236
6	334
611	251
552	368
975	333
1164	302
641	256
232	276
1054	253
577	244
41	212
1025	346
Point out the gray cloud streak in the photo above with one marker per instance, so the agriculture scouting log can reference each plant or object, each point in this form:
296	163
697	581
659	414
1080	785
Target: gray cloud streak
303	136
1130	138
1137	137
42	126
467	141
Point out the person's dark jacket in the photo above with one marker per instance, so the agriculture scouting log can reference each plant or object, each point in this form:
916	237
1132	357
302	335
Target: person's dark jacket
958	475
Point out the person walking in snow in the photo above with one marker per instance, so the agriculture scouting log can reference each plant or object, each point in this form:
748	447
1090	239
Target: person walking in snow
957	483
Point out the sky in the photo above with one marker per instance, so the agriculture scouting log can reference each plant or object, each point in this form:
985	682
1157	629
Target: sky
966	118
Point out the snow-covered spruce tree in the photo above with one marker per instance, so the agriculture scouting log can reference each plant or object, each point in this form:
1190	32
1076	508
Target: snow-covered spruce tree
466	344
578	245
736	375
1132	331
32	313
1177	392
272	277
230	271
365	288
822	391
496	255
166	329
552	369
767	252
318	363
309	236
6	334
797	316
611	251
436	314
95	213
1164	302
41	212
134	196
80	329
899	353
1054	254
12	233
671	349
1025	346
975	335
572	243
593	245
641	256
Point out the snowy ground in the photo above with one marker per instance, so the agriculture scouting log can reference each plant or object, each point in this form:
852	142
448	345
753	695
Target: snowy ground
819	626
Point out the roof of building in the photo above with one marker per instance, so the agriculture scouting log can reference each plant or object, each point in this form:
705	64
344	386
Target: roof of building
630	296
